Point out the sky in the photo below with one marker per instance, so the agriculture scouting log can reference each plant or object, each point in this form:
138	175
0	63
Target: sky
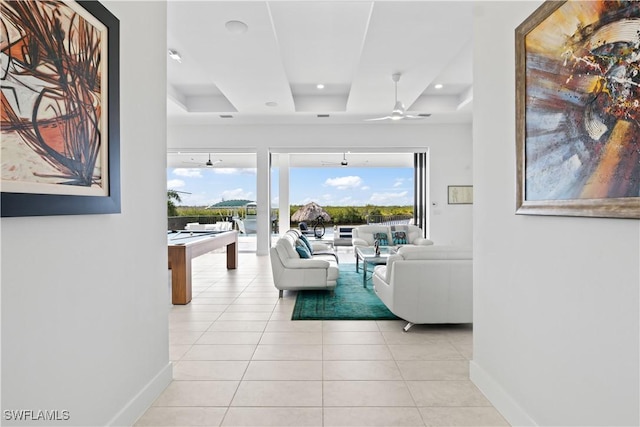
325	186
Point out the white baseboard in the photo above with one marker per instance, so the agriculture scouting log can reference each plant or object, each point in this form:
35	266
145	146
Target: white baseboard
499	398
143	399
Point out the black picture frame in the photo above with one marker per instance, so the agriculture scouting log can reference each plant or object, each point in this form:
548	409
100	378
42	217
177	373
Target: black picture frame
33	204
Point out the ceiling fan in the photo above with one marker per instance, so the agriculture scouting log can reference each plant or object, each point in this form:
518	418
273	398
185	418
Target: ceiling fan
208	163
398	112
344	163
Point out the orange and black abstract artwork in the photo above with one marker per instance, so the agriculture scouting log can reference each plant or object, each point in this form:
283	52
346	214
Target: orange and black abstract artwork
53	125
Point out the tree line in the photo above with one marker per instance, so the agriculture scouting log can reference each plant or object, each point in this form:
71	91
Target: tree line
338	214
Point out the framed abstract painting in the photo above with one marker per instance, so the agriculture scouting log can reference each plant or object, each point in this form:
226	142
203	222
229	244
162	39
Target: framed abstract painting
578	110
60	144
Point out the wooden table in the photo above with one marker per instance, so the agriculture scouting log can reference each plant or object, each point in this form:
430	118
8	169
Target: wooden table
186	245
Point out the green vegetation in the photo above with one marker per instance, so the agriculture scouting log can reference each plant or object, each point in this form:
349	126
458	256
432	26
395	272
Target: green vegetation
203	211
358	214
339	214
172	198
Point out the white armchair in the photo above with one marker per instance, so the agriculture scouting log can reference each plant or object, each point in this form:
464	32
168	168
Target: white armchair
427	284
290	272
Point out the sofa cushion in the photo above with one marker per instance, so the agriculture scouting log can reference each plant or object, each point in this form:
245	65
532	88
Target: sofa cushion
286	247
382	238
303	250
304	240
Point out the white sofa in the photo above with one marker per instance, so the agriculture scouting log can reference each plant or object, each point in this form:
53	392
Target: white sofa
427	284
290	272
363	235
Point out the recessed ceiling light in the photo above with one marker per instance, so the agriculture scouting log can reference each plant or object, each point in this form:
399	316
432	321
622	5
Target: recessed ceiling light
438	86
320	86
173	54
236	27
271	104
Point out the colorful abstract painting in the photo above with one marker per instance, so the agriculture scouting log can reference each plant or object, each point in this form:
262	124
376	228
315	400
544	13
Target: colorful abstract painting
578	117
54	123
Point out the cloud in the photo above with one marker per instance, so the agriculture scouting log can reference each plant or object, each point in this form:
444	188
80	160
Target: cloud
344	182
236	194
389	198
399	182
346	200
195	199
175	183
188	172
234	171
323	200
365	188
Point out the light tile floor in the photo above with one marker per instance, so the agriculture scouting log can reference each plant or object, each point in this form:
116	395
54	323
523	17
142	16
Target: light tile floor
240	361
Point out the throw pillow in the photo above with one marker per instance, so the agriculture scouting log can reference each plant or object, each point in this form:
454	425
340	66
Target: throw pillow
381	238
303	251
401	228
399	238
307	243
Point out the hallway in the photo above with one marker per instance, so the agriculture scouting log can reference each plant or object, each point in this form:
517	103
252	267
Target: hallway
240	361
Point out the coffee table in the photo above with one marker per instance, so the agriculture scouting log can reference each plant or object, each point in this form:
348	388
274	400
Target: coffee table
367	255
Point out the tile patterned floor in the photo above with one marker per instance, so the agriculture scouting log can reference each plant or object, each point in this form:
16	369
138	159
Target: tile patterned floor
240	361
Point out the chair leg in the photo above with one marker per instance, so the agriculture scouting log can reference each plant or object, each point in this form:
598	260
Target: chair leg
280	293
406	328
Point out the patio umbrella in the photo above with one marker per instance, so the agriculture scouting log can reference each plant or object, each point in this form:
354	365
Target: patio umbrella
310	212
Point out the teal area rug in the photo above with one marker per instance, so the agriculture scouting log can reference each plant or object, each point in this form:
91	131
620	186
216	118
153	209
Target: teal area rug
349	301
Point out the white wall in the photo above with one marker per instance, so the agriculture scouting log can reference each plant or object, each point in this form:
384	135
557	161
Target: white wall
449	146
555	299
84	298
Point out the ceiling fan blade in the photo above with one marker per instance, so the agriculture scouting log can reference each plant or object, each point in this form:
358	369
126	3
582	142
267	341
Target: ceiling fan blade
208	163
378	118
399	112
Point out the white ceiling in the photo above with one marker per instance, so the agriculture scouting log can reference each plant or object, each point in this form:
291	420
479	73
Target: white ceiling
308	159
352	47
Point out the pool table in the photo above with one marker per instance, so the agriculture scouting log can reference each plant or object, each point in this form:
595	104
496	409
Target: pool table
184	246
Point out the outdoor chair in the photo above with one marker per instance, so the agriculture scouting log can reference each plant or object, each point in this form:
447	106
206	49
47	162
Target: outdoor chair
304	229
